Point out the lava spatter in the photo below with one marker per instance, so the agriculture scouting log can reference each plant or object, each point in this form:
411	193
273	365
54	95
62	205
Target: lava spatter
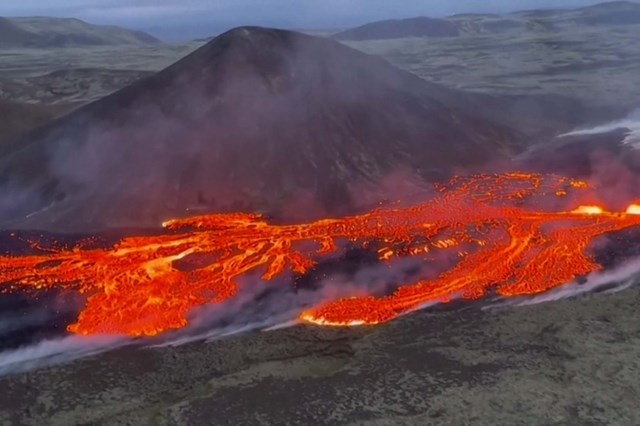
140	286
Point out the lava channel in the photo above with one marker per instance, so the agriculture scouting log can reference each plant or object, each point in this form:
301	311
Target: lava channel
505	240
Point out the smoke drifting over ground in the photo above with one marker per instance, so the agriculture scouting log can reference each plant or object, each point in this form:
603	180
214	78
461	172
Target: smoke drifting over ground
617	279
631	124
55	351
259	305
268	306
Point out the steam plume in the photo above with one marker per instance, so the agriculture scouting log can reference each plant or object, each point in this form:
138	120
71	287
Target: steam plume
631	123
259	306
50	352
614	280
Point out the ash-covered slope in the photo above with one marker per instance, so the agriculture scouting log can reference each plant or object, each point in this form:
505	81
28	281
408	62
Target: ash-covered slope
18	118
247	122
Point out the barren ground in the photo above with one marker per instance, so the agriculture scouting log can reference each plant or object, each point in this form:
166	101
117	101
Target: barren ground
77	75
594	65
568	362
598	65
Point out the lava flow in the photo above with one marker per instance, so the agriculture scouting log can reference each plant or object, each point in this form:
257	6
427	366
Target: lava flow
146	285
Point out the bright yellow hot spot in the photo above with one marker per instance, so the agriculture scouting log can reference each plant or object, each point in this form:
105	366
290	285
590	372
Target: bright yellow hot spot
589	210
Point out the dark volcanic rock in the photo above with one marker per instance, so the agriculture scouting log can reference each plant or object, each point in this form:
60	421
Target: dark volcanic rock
248	121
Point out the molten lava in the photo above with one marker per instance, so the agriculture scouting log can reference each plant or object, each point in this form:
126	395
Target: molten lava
146	285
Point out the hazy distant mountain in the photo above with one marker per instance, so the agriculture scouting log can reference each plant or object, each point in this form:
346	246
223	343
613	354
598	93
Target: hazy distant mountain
46	32
249	121
604	14
399	28
548	20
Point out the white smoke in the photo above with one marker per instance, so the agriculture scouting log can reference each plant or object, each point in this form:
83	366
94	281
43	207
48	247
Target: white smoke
614	280
50	352
258	306
268	306
631	123
281	311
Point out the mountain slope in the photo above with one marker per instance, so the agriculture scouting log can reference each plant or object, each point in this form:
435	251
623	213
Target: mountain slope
613	13
17	118
11	34
607	14
400	28
45	32
249	121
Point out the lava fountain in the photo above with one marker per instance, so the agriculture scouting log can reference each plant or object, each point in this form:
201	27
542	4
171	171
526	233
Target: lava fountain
506	242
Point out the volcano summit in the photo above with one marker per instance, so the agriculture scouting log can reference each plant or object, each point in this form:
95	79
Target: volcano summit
247	122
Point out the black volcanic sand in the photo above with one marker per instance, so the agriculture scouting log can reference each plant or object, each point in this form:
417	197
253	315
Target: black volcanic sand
567	362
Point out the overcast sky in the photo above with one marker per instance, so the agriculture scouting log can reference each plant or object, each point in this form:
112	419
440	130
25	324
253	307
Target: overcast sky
185	19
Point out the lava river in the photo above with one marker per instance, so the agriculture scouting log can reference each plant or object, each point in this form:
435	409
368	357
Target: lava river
506	242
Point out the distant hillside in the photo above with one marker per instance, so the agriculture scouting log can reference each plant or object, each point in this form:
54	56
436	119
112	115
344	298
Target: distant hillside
604	14
549	20
46	32
399	28
12	34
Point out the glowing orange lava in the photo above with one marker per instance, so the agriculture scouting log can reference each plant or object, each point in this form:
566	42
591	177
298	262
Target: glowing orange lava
146	285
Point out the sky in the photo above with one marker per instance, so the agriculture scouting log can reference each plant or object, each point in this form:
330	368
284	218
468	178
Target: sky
187	19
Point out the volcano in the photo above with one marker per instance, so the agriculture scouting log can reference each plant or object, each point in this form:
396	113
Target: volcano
248	122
